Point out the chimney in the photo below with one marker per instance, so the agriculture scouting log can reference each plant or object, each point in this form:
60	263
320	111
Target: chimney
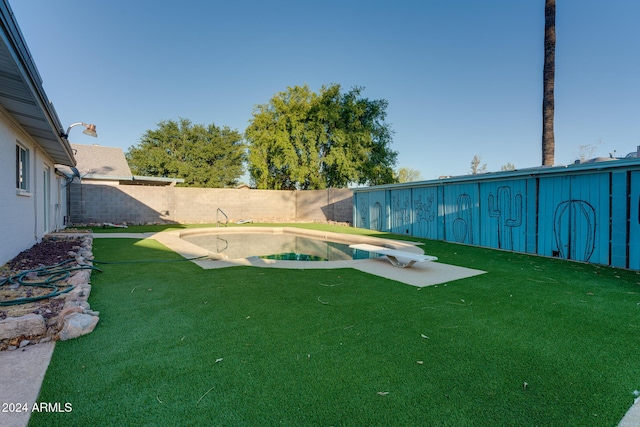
638	151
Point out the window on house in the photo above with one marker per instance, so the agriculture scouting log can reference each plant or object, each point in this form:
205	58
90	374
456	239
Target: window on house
22	168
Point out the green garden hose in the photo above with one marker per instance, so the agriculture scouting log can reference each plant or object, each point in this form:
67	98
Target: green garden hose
56	273
141	261
53	276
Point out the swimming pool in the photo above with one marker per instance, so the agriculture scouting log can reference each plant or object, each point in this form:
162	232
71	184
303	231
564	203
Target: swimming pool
284	244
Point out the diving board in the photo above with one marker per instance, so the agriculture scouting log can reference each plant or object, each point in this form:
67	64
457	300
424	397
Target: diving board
397	257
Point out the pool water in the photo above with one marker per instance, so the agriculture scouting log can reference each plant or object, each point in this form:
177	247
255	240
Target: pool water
283	246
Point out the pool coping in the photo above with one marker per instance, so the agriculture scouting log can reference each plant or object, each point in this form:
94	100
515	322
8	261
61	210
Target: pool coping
301	232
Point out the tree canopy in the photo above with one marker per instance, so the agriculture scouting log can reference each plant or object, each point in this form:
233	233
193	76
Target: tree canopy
476	167
204	156
303	140
405	174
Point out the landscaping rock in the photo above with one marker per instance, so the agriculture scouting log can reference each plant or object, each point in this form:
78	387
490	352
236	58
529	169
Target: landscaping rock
67	311
27	325
65	316
79	293
77	324
80	277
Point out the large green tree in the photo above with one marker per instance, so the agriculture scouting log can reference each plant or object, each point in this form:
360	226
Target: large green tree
405	174
204	156
303	140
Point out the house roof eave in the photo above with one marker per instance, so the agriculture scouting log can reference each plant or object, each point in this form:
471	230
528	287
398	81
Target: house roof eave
22	94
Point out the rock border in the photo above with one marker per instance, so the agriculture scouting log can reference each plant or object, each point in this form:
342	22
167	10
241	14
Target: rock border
75	317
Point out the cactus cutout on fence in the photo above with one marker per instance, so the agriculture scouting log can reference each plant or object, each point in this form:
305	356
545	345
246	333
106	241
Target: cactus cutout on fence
574	228
425	213
463	223
508	211
401	213
364	207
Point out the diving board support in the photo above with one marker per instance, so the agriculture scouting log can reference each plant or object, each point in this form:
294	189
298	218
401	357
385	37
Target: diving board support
396	257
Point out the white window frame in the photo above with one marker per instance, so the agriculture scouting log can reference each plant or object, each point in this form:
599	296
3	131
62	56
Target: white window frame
23	169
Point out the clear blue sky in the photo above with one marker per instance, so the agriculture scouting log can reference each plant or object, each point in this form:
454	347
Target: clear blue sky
461	78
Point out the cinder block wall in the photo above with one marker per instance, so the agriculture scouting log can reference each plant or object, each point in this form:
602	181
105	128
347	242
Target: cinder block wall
333	204
97	203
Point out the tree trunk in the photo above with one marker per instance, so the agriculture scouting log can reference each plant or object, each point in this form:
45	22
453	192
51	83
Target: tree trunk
548	139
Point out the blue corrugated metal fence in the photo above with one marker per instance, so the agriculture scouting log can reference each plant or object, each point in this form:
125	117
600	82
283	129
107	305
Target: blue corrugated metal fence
588	212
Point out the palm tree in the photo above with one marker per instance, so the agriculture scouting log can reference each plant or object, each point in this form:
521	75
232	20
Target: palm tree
548	140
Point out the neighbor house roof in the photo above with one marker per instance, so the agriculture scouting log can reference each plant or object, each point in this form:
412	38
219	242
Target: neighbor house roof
22	94
100	163
97	160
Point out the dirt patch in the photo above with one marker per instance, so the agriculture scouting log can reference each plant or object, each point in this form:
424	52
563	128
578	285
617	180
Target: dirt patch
51	251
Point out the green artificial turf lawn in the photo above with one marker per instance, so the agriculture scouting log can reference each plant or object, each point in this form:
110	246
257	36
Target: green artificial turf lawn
535	341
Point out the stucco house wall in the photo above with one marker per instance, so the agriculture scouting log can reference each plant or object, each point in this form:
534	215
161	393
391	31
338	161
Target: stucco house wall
27	215
30	130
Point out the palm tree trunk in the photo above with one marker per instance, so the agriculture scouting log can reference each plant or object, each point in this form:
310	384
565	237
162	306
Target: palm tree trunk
548	139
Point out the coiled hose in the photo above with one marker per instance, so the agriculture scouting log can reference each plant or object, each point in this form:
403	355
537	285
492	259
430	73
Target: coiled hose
56	273
52	275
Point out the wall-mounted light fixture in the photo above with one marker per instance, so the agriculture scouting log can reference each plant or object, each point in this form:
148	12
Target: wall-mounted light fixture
90	129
